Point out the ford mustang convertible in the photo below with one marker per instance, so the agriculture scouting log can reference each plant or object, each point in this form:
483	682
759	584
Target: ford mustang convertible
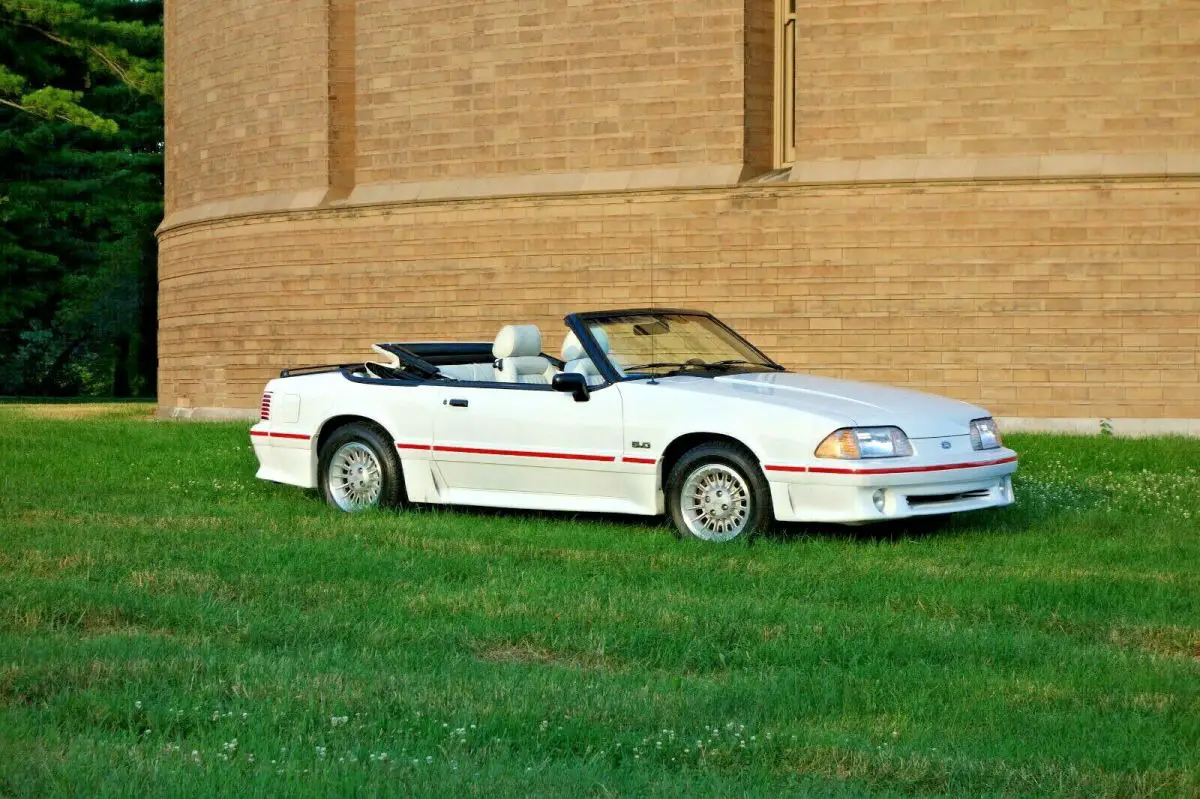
646	411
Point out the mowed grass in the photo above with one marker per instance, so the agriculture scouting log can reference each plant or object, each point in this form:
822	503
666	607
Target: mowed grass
171	626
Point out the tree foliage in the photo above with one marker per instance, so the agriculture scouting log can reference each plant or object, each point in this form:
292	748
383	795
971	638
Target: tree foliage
80	194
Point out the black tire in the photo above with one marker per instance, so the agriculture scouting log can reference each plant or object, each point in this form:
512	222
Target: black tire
355	438
725	457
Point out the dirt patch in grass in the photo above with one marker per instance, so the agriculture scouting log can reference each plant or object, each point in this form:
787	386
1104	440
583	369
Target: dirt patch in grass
526	652
86	410
123	521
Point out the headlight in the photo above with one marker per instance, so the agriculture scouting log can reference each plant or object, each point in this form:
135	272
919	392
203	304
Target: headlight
852	443
985	434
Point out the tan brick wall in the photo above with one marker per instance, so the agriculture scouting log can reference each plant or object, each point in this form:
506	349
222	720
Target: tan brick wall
247	98
1045	301
944	78
470	90
1029	263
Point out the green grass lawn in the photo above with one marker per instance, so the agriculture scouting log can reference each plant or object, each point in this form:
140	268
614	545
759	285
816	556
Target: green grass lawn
171	626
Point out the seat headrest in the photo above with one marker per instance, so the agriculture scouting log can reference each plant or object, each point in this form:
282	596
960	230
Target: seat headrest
573	350
517	341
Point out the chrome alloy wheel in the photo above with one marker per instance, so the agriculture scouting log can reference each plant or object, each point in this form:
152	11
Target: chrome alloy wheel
715	502
354	477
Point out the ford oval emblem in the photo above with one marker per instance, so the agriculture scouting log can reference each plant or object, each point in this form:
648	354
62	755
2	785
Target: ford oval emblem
945	445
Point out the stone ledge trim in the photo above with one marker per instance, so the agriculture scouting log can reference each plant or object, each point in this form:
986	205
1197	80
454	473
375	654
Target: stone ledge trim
1126	428
398	192
887	171
1020	167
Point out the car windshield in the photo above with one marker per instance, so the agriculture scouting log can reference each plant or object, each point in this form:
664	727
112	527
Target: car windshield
653	344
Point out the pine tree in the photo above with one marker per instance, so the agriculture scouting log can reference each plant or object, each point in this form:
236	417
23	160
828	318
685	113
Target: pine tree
80	194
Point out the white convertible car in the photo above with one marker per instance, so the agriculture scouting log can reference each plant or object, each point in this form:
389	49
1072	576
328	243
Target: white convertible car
644	412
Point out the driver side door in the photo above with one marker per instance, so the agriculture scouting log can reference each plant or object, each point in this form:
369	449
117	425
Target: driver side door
529	446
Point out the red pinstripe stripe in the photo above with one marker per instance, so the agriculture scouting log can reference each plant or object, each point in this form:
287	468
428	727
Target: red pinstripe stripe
297	436
647	461
413	446
944	467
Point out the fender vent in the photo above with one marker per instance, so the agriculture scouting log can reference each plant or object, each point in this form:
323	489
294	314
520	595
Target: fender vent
264	408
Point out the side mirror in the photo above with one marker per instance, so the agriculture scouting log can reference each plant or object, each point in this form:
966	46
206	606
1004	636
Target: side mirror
571	383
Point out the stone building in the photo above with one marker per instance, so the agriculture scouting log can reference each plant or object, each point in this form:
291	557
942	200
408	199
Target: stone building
996	200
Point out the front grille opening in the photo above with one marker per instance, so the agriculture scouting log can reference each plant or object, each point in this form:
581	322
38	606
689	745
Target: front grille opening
264	408
937	499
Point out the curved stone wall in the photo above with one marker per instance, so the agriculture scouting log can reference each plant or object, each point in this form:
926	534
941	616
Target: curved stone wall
998	203
1055	301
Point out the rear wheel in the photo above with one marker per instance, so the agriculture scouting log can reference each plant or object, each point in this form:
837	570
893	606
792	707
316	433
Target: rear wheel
358	469
717	493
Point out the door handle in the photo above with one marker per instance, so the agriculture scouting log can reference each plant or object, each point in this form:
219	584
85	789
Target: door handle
458	403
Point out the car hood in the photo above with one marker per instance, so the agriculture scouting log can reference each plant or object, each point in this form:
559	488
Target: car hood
864	404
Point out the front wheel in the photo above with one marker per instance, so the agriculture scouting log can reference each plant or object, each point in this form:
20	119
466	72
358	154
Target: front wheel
358	469
717	493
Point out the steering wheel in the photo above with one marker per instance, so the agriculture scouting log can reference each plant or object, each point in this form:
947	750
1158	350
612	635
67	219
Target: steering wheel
695	362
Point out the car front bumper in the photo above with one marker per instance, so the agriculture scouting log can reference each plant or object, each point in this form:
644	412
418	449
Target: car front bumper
844	497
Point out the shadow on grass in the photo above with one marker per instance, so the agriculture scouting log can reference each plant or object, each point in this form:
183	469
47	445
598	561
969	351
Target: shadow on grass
917	527
787	532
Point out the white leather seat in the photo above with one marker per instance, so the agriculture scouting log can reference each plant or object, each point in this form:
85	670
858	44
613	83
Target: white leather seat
517	350
577	360
476	372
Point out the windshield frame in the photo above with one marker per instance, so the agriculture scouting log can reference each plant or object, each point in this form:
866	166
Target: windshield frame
578	323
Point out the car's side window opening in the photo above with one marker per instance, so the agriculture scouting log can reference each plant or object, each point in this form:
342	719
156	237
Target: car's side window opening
515	357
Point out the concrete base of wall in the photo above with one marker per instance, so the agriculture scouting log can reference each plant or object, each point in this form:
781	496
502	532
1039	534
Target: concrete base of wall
207	414
1129	428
